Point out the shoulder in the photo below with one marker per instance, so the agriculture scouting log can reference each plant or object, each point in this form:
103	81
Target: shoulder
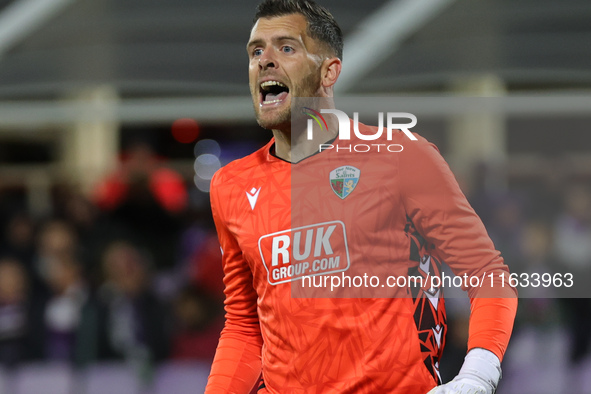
417	149
237	170
410	144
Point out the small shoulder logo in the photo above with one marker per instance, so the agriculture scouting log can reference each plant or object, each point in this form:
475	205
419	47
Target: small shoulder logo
252	196
343	180
314	115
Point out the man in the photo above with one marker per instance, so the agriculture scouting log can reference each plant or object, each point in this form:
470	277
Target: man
399	213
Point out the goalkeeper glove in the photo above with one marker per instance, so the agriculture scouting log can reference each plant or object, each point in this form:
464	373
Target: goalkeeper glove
480	374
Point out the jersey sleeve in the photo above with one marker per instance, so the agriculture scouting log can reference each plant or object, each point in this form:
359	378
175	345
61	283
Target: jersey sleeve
237	363
441	213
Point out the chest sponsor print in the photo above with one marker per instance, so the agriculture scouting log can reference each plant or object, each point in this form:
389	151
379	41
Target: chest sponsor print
317	249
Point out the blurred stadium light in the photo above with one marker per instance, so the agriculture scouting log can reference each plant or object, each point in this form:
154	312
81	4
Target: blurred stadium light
21	18
380	34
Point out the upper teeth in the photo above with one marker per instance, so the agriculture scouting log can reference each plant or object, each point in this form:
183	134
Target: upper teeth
272	83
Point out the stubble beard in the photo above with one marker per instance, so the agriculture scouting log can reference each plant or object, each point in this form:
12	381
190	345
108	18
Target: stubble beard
281	119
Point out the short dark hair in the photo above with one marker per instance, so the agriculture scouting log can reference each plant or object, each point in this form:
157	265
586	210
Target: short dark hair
321	24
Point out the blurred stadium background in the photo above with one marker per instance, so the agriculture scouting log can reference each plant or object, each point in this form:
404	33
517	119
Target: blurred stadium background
114	114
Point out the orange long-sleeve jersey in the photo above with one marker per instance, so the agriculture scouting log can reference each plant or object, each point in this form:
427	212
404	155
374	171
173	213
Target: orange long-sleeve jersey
343	213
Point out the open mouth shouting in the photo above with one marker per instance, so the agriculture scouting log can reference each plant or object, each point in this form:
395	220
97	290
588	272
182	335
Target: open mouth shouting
272	93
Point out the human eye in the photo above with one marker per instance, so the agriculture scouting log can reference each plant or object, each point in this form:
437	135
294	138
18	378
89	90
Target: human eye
257	52
287	49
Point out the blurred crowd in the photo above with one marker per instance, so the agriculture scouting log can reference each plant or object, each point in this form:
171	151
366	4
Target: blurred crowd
541	224
128	272
131	271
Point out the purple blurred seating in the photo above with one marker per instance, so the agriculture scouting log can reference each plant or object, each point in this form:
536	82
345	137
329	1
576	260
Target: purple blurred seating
4	389
43	378
110	378
181	378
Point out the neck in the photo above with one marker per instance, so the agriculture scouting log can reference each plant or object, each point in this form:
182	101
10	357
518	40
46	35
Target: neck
294	144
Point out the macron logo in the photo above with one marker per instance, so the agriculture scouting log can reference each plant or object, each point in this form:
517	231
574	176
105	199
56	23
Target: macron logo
252	196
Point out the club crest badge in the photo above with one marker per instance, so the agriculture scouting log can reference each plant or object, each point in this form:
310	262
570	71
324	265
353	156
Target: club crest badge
343	180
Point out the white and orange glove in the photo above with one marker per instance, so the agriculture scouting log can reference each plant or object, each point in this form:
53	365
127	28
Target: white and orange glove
480	374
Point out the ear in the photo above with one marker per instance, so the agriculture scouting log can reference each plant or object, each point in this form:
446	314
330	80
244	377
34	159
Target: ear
330	71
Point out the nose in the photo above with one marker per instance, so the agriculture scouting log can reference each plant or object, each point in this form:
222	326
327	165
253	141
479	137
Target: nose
267	60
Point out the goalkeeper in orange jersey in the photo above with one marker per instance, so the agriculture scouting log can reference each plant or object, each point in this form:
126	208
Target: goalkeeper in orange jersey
401	214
